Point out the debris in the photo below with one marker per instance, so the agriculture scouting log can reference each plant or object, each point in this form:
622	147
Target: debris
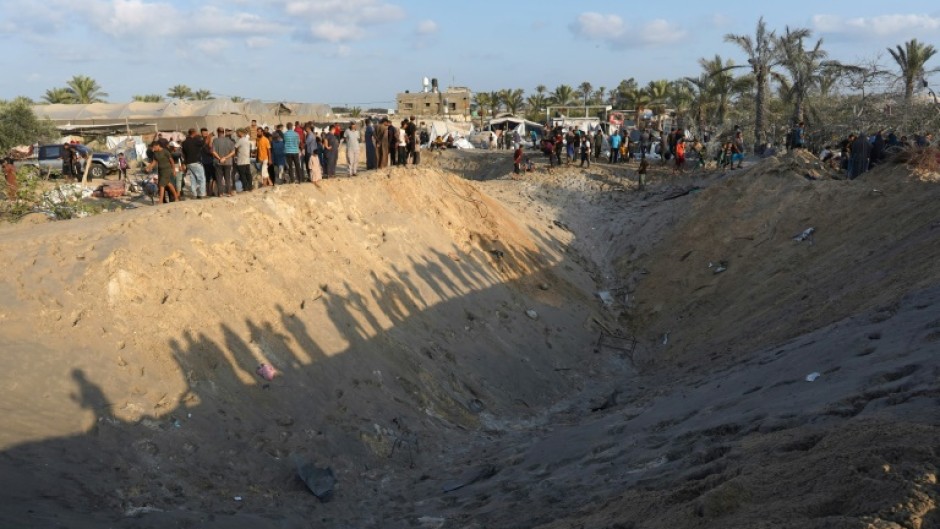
681	192
806	235
431	522
813	376
266	371
561	225
666	338
320	481
543	286
718	267
532	314
497	254
608	403
237	498
470	477
606	298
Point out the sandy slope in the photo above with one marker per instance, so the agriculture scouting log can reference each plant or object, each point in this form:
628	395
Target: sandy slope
394	306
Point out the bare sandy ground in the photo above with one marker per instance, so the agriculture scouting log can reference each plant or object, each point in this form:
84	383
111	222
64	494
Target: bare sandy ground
441	346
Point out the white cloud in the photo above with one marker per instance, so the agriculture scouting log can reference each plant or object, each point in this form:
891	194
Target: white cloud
341	20
612	30
336	32
426	27
257	43
880	25
212	46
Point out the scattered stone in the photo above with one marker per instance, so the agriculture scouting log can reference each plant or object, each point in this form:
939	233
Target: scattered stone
532	314
543	286
320	481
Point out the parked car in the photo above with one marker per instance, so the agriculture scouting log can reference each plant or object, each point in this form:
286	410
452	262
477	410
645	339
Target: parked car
48	160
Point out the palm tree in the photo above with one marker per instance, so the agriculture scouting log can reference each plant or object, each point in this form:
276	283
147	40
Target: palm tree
541	90
179	91
202	95
149	98
237	99
494	103
618	96
355	112
563	96
681	97
719	86
637	99
911	60
585	89
512	99
55	96
85	90
599	95
762	57
802	66
536	104
482	101
658	92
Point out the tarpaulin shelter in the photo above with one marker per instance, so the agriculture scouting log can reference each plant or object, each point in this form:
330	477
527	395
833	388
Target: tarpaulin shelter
513	123
176	115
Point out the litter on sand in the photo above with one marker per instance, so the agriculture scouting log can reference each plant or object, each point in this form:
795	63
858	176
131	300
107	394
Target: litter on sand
812	376
806	235
266	371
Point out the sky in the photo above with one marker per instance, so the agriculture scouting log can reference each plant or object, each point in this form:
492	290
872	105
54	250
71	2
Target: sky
363	52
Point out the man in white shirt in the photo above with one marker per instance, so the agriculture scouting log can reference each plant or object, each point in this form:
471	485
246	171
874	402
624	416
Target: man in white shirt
352	148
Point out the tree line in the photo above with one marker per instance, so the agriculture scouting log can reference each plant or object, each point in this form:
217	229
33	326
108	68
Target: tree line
788	78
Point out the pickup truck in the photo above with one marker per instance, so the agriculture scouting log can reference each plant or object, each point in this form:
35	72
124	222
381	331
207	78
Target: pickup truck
48	160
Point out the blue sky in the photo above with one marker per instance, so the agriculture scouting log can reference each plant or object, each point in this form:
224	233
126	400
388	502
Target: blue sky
362	52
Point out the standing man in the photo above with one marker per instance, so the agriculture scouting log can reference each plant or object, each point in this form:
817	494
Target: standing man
352	148
166	168
392	142
411	131
310	148
192	163
332	153
370	145
292	151
614	148
223	150
243	160
381	143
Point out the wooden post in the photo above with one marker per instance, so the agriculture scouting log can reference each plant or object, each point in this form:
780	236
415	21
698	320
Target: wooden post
87	168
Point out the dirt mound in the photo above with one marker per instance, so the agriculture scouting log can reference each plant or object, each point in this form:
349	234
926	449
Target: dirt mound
397	308
738	274
557	349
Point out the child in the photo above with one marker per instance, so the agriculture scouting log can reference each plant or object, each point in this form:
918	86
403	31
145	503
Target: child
517	160
585	151
122	166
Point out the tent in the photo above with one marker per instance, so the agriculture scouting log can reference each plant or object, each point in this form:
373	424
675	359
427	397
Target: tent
514	123
443	128
177	115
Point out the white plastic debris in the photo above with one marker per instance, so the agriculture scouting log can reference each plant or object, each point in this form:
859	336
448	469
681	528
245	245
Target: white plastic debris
532	314
237	498
666	338
813	376
606	298
805	235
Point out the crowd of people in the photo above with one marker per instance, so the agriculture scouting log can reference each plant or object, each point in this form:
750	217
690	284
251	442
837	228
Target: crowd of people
218	163
859	153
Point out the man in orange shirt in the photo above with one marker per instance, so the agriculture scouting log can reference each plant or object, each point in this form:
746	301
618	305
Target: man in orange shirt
264	157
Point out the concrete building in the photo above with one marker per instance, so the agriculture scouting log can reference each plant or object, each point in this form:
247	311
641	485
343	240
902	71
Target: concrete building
455	101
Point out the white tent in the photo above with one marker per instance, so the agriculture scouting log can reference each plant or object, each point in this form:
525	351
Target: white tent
513	123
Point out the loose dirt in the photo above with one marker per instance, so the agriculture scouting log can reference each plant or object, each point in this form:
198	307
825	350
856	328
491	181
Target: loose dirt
465	348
